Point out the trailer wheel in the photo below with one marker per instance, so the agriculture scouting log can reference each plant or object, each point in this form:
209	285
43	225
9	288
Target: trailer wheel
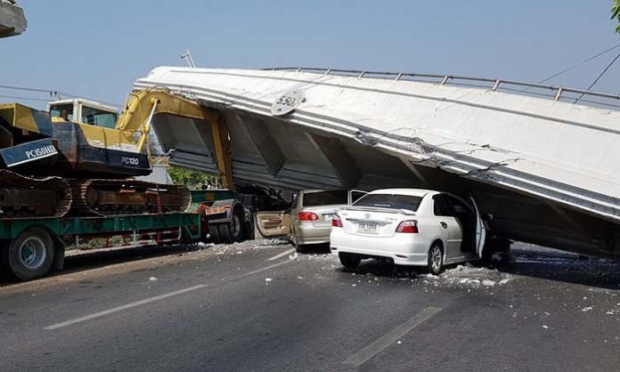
30	255
233	231
214	234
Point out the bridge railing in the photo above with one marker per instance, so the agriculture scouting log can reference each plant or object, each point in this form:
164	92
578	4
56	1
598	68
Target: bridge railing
516	87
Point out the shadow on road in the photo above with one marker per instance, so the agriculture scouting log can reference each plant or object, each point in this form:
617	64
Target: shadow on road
560	266
547	264
90	260
385	268
315	249
85	261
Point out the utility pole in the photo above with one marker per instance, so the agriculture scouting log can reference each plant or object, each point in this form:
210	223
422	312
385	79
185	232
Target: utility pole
188	57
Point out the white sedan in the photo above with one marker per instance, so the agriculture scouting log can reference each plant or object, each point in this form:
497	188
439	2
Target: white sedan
409	227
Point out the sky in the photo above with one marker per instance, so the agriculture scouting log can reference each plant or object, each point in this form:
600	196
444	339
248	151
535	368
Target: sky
97	49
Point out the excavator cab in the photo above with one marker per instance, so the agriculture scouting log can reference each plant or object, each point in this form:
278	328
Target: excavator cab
83	111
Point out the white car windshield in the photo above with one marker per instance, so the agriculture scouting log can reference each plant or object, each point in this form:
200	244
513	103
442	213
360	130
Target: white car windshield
391	201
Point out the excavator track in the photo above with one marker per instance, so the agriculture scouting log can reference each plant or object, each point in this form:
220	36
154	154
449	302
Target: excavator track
24	197
104	197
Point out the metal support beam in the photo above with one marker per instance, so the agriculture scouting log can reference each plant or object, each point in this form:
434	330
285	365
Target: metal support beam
221	141
265	144
338	158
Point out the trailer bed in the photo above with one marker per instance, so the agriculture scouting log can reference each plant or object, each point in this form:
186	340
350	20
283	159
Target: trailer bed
29	248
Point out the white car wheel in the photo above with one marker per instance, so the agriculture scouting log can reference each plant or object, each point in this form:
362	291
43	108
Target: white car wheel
435	259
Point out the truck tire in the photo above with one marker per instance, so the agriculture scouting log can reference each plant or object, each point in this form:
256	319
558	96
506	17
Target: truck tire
29	256
232	232
214	234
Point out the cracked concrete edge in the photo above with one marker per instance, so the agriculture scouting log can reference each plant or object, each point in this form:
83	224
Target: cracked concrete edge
12	19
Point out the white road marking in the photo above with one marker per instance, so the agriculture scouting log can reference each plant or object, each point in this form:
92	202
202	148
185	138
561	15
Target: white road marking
281	254
123	307
376	347
261	270
152	299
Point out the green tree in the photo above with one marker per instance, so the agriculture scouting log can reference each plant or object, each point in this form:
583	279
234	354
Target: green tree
189	177
615	14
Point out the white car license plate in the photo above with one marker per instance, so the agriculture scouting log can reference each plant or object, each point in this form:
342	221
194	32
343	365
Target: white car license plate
367	228
328	216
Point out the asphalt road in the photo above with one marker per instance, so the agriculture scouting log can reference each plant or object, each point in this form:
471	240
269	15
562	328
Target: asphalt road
257	306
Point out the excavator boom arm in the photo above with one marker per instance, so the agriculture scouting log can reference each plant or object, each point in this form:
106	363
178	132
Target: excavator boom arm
142	105
139	108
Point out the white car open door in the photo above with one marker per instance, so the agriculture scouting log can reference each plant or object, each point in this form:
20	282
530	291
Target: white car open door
481	231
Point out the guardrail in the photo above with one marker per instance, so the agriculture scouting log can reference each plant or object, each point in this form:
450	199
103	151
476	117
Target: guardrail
516	87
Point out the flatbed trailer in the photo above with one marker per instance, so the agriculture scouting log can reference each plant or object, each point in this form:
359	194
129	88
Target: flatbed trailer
29	248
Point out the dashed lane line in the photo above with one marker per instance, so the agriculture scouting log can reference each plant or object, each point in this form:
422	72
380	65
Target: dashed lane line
261	270
152	299
376	347
123	307
285	253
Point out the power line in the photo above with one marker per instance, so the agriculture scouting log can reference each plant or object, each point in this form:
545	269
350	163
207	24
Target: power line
53	93
604	71
579	64
599	76
61	94
25	98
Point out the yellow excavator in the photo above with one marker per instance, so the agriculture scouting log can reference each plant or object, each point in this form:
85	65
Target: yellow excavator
79	156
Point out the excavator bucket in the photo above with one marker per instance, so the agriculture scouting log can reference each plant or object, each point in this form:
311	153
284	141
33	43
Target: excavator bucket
25	118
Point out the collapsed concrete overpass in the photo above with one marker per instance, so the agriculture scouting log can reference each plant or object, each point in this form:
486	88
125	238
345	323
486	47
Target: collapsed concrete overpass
544	166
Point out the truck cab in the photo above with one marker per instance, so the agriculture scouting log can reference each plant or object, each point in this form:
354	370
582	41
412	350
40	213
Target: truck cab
84	111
